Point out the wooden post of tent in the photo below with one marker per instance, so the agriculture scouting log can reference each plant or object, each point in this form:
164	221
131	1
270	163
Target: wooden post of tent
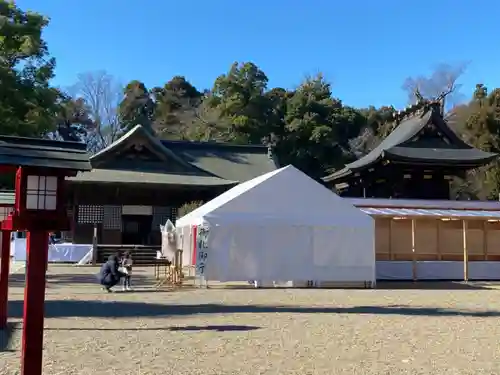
438	240
413	252
391	255
485	240
466	255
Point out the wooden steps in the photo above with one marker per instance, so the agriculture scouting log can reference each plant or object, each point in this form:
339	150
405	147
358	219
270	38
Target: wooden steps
141	255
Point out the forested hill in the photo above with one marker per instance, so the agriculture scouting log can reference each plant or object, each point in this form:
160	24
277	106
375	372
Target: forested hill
309	127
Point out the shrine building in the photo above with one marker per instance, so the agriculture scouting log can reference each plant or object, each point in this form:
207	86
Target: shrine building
140	181
416	160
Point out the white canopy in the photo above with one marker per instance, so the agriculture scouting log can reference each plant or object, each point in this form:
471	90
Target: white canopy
283	225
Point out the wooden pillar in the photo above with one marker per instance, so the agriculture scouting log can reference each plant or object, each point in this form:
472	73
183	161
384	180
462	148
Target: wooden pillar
4	277
485	239
391	256
34	301
94	246
438	240
466	255
413	250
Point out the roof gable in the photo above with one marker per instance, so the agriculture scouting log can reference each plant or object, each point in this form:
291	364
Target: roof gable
138	156
138	149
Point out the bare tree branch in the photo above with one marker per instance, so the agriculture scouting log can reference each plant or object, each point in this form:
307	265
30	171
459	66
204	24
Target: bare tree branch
102	93
440	85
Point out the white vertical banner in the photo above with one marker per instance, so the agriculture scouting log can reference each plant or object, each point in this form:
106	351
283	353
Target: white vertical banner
202	253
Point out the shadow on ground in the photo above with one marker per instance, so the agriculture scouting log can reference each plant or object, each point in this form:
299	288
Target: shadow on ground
18	280
122	309
219	328
436	285
389	285
6	337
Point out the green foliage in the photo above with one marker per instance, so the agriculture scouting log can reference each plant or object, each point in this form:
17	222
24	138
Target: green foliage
27	102
188	207
137	107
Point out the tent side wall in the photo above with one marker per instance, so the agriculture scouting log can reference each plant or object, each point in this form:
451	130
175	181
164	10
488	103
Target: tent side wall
293	255
438	249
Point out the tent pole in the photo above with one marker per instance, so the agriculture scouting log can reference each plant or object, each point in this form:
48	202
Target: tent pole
413	253
466	255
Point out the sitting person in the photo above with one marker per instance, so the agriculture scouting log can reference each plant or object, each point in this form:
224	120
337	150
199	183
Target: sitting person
109	275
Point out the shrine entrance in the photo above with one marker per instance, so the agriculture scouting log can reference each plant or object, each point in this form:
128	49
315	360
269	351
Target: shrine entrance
136	229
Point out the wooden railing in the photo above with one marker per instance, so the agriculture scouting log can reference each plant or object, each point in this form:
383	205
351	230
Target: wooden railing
143	255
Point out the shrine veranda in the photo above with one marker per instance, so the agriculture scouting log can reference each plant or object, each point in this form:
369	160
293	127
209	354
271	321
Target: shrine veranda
402	328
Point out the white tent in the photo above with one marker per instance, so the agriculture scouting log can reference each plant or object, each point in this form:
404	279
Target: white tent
283	225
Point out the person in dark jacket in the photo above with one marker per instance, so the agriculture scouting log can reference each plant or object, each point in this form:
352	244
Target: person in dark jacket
109	275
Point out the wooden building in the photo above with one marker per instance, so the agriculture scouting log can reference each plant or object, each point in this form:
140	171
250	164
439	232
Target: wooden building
139	182
435	239
416	160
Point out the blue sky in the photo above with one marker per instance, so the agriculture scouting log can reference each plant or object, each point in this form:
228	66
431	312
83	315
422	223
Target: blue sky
365	48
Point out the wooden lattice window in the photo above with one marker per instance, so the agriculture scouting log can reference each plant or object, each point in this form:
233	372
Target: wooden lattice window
112	217
90	214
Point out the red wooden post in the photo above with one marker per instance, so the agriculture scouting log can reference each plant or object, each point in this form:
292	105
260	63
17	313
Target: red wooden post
34	301
4	277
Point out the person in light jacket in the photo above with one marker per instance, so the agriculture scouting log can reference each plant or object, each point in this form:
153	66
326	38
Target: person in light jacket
127	264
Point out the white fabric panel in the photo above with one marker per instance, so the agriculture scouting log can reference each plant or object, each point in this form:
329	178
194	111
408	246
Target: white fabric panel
185	242
440	270
437	270
484	270
394	270
68	252
285	253
281	253
340	254
63	252
233	254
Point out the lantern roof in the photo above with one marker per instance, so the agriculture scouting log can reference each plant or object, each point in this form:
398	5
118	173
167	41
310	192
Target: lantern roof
43	153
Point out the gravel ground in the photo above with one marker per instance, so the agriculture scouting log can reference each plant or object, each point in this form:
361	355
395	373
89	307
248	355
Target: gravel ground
443	329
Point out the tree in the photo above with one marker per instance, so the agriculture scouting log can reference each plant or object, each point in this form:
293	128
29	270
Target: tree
27	102
442	81
73	120
239	97
137	107
318	128
100	95
176	105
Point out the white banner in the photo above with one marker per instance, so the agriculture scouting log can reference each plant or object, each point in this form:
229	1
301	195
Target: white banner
202	252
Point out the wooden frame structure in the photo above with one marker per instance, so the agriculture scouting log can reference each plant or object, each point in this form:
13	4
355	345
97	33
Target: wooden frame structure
389	244
419	231
419	238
